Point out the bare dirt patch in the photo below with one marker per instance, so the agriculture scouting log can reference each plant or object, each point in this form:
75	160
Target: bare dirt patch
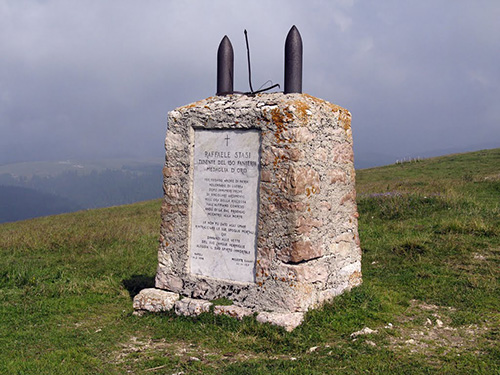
135	350
427	329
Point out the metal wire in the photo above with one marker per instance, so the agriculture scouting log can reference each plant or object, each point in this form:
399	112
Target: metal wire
248	61
251	92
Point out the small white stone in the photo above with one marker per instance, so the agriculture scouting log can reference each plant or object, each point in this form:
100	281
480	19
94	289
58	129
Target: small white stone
364	331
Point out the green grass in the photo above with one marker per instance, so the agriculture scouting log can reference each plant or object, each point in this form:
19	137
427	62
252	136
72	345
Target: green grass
430	234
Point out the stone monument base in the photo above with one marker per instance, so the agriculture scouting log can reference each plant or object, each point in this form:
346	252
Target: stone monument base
157	300
259	208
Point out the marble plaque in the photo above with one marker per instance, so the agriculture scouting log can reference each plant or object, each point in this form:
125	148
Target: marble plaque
225	204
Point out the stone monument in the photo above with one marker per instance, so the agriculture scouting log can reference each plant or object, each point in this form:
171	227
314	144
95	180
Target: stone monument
259	207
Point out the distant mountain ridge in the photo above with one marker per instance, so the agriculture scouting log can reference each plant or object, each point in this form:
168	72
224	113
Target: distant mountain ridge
47	188
19	203
29	190
52	168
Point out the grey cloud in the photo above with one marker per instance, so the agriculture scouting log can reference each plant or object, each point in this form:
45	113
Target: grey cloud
95	79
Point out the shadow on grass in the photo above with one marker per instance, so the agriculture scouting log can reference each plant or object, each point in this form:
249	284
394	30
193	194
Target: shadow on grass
138	282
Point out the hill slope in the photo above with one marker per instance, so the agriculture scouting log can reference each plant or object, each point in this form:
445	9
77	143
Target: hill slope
430	234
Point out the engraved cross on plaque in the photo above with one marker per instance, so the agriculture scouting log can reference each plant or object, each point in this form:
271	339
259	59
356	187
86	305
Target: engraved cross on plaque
227	140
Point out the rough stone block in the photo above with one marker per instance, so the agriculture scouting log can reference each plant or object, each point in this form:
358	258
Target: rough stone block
305	224
301	181
300	251
192	307
233	311
309	272
289	321
154	300
337	175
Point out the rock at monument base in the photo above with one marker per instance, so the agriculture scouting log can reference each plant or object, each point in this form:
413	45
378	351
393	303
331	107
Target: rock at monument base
289	321
233	311
155	300
192	307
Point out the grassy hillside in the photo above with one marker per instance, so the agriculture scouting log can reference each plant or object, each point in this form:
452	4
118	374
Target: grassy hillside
430	233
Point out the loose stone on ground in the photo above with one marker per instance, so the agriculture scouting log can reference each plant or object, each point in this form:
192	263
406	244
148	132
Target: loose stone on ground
154	300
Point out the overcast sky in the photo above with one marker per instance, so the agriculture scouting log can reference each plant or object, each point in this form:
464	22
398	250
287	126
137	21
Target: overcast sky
94	79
